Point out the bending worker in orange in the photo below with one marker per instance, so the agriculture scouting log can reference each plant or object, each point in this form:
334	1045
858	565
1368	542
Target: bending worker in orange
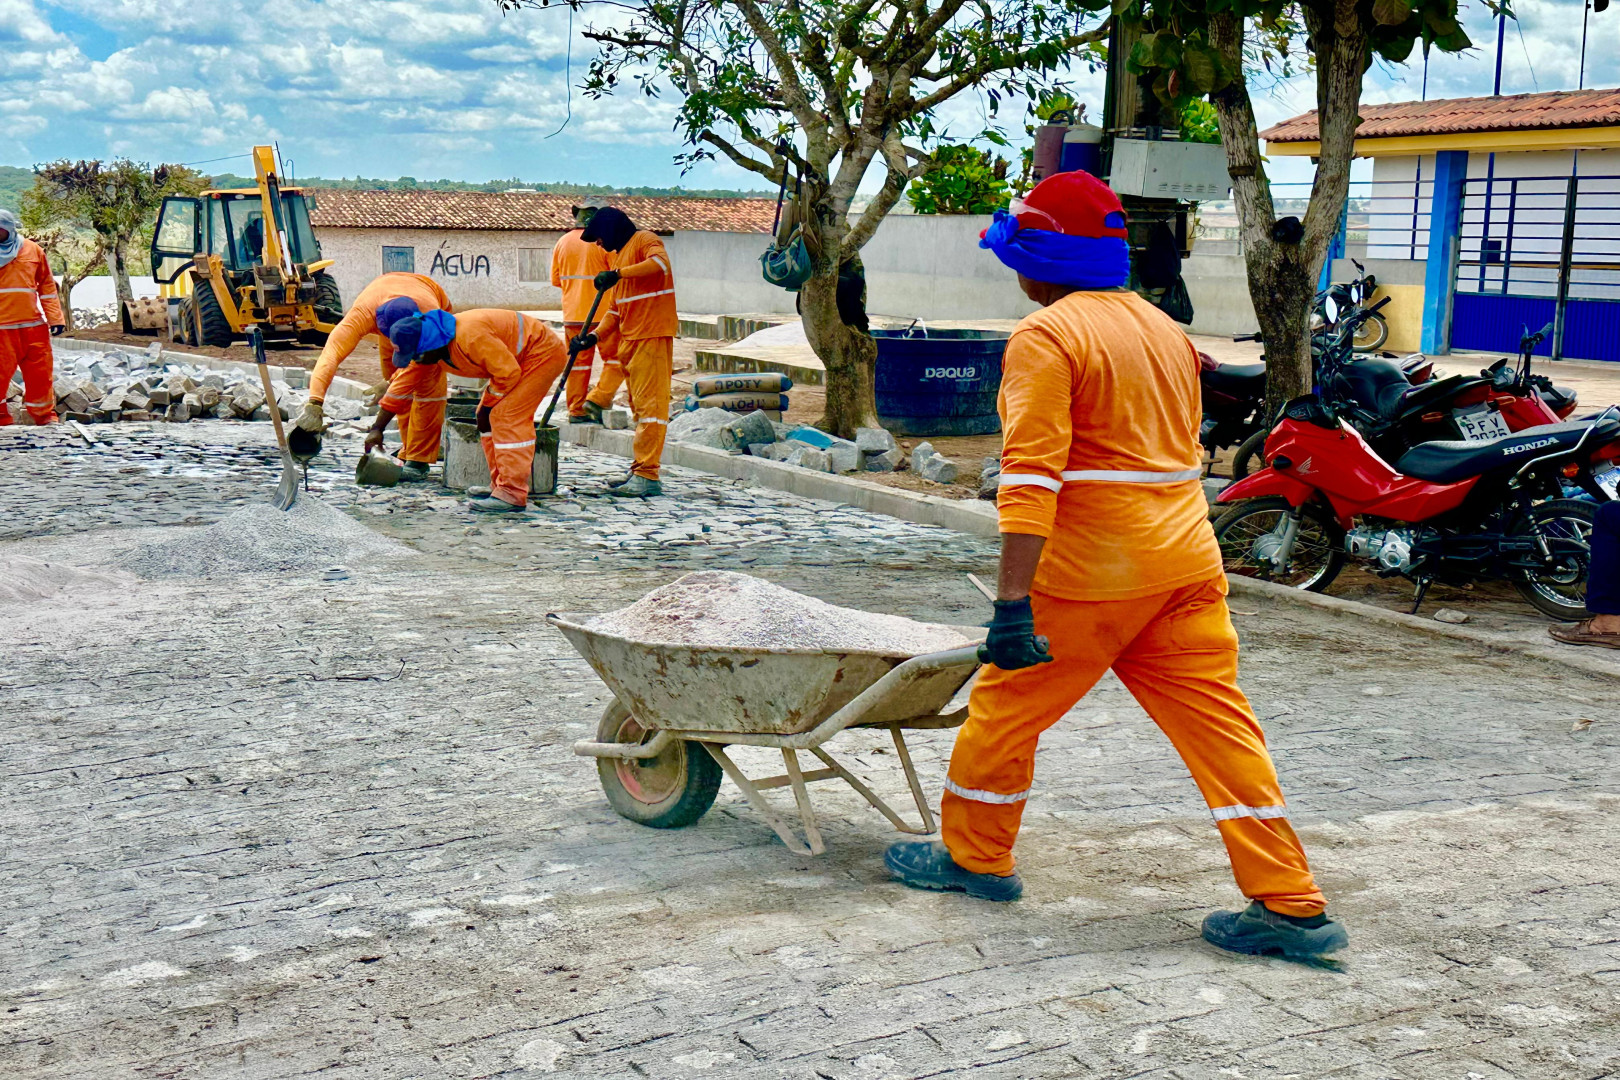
575	263
30	315
519	355
421	420
640	330
1107	552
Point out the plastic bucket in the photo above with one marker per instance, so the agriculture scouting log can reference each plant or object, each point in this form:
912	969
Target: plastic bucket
376	470
944	382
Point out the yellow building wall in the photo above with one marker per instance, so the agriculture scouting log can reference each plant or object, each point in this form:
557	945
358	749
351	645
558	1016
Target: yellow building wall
1404	315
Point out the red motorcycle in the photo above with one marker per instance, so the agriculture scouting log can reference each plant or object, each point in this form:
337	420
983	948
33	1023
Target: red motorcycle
1453	512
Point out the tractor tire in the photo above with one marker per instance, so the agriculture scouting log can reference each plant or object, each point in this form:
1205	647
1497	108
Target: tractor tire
188	322
216	329
328	300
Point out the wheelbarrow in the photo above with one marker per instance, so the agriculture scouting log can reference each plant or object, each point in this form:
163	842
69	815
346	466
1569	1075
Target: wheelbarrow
661	745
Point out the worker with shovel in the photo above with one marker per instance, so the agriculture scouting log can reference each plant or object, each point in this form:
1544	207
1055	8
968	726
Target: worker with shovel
519	355
390	297
575	264
640	330
30	314
1108	561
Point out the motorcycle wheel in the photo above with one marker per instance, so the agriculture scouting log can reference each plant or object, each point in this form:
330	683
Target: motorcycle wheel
1561	593
1371	334
1250	455
1318	549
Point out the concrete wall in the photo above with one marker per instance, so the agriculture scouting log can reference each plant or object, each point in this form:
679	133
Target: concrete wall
478	268
1219	287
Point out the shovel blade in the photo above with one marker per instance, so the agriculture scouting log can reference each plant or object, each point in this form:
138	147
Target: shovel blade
287	490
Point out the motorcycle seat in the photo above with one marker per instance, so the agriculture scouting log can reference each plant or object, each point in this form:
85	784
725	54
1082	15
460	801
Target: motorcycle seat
1434	393
1451	462
1374	383
1236	380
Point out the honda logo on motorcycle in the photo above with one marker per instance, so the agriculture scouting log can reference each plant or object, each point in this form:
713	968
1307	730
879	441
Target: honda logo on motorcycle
1527	447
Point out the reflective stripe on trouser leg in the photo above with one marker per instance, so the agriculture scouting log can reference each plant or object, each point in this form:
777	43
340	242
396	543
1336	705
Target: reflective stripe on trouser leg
511	448
649	365
1182	669
427	418
30	349
993	763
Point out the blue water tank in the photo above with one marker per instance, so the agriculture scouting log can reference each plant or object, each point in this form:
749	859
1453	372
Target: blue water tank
939	382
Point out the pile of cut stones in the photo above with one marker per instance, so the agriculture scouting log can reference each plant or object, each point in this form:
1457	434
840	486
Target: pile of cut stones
108	387
872	450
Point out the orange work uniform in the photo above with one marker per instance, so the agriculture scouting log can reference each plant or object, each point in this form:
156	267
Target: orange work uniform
640	329
574	266
521	357
421	420
1130	578
29	306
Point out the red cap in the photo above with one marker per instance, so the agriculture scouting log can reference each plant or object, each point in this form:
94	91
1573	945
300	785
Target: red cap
1074	204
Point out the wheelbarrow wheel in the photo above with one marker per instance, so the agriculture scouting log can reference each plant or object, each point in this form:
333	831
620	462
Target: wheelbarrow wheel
669	791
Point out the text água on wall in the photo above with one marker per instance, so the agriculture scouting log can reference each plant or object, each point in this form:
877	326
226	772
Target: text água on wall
454	264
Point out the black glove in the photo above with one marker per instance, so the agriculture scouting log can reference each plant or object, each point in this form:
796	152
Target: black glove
481	421
1012	642
582	342
58	330
606	280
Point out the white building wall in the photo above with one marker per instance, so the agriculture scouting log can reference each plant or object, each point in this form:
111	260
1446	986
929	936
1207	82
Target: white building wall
477	267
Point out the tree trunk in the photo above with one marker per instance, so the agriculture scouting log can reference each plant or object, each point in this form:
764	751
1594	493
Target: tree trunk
1282	276
64	296
849	356
118	267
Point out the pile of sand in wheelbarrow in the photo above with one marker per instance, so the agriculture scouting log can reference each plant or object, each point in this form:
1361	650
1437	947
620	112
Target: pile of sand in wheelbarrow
725	610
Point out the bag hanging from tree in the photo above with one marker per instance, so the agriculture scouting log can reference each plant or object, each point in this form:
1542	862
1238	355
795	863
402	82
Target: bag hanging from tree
786	262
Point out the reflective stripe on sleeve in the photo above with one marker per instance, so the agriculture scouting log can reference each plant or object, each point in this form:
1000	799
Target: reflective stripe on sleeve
985	796
578	277
512	445
23	325
1228	813
641	296
1125	476
1029	480
661	261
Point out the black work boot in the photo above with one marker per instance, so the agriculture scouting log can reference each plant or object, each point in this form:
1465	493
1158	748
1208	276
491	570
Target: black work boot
927	864
1259	931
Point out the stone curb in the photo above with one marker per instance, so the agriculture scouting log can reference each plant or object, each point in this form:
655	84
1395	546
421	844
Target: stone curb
296	378
1334	605
969	516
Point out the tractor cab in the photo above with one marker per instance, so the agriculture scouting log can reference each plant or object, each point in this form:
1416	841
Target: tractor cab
246	257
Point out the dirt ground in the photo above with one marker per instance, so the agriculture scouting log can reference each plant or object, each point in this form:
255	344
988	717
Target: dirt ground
274	826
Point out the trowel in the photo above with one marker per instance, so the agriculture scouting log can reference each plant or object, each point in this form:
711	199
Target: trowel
287	490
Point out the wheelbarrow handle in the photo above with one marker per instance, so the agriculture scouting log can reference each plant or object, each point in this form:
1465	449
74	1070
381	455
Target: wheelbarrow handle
573	354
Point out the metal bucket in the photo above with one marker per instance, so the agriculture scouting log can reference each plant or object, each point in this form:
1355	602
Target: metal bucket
464	463
376	470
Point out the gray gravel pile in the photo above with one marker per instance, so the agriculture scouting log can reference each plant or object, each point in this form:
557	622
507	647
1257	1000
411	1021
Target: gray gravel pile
721	609
310	536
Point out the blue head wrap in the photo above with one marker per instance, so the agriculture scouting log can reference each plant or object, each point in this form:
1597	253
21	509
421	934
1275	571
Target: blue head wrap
391	311
1081	262
417	334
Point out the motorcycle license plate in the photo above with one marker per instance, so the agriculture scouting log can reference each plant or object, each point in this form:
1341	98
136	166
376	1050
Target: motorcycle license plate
1609	481
1481	425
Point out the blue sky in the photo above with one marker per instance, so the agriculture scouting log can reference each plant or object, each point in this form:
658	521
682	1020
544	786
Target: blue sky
452	88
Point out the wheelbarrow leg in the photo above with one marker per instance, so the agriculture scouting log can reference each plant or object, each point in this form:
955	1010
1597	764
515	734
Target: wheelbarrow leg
801	795
911	778
870	796
759	802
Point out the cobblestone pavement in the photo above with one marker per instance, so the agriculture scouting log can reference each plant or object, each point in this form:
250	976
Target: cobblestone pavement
284	827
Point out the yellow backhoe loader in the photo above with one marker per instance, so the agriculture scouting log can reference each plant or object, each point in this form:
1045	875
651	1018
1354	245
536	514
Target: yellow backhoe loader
246	257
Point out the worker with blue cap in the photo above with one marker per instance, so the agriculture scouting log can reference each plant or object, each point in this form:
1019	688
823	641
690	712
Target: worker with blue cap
1108	561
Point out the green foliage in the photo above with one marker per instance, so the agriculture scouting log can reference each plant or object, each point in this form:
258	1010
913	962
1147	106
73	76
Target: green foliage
1198	122
13	182
117	200
1174	48
962	180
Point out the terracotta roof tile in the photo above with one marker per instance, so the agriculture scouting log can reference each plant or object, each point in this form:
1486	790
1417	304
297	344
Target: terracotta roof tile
1516	112
339	208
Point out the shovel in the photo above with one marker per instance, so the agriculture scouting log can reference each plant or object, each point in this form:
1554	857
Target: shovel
287	490
545	436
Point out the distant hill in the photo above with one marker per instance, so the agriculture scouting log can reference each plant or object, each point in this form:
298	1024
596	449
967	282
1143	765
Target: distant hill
13	182
411	183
